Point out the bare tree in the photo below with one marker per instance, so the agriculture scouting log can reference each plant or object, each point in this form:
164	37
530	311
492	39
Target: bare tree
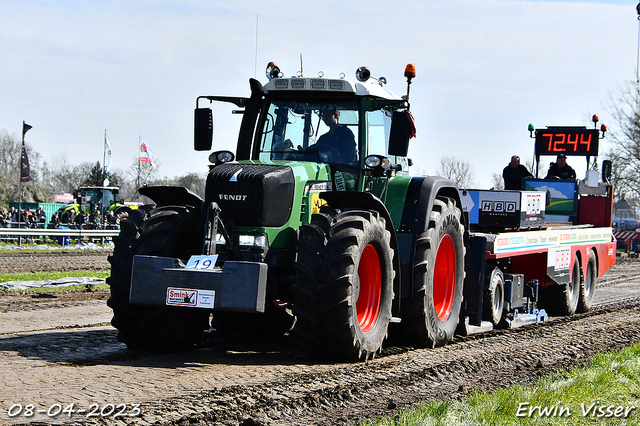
10	153
624	132
459	171
141	174
497	182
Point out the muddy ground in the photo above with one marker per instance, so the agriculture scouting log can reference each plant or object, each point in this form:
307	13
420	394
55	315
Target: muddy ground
59	351
60	260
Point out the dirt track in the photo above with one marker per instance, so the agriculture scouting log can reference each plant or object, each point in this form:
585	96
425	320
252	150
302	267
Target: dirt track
62	260
63	351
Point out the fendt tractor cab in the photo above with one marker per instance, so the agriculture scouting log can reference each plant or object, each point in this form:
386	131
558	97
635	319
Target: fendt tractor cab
90	198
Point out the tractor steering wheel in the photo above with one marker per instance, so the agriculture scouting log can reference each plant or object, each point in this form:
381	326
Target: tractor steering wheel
335	155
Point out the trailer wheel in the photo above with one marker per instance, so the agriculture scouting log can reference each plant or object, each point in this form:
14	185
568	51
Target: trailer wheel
588	286
431	316
567	295
344	284
493	303
165	231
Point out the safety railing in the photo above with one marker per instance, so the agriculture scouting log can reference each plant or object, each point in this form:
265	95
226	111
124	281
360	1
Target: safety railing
62	236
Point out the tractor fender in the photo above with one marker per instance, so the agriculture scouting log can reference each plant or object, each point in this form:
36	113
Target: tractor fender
420	197
368	201
172	195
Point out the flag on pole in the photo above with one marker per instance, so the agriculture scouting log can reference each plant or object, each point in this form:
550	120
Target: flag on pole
25	128
25	171
146	154
107	155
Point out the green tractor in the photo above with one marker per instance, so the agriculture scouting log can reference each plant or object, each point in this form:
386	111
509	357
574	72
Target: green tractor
90	198
313	225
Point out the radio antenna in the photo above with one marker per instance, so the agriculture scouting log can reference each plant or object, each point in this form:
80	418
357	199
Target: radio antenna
301	71
255	66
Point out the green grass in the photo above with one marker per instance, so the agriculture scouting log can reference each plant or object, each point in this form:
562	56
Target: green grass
612	379
42	276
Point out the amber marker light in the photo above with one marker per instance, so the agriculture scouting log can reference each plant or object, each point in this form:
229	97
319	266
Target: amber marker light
410	71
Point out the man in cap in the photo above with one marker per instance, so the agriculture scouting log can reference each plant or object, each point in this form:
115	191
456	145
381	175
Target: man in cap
513	174
560	169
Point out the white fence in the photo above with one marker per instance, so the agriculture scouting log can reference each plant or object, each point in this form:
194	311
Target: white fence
59	234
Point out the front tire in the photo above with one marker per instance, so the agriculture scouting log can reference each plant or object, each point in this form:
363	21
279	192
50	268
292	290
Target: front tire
344	284
431	316
165	231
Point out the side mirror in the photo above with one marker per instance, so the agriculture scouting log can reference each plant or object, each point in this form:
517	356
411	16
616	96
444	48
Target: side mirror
402	129
203	129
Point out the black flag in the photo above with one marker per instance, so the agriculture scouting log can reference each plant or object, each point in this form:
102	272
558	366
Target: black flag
25	128
25	172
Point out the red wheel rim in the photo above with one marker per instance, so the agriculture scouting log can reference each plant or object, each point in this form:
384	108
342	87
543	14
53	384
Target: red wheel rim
370	276
444	278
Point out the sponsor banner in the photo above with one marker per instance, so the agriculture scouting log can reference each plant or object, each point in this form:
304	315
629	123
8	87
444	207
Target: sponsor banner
193	298
509	242
63	198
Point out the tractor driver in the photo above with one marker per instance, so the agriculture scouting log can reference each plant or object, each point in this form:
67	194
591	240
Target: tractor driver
339	138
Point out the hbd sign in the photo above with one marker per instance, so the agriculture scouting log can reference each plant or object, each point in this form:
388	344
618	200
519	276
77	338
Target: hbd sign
499	206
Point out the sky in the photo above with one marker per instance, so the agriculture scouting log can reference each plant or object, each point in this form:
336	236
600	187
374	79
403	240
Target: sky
485	70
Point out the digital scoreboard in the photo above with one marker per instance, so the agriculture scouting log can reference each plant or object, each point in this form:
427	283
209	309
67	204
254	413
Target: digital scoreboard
567	140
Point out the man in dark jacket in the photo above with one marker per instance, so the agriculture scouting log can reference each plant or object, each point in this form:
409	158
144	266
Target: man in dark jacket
513	174
560	169
339	137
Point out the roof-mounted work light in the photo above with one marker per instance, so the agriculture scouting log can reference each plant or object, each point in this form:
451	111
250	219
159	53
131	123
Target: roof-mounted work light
272	71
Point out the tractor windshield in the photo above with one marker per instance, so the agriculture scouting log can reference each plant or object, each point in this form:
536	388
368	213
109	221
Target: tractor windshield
319	132
98	196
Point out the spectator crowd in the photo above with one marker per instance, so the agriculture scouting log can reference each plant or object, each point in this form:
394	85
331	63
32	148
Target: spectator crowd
26	218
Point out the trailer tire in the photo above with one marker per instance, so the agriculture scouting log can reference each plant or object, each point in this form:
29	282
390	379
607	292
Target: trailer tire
165	231
588	286
344	284
567	295
431	316
493	303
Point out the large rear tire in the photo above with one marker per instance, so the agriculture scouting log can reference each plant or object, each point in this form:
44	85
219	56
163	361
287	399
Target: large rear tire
430	317
344	284
588	286
164	231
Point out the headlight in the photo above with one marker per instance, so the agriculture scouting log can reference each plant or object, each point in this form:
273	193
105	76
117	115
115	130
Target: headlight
252	240
220	157
372	161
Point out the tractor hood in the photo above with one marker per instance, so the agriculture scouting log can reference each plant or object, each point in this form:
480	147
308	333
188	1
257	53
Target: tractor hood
259	194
